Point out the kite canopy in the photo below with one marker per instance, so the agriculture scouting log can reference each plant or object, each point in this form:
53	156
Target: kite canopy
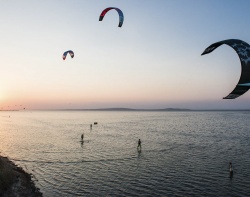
66	52
243	50
121	17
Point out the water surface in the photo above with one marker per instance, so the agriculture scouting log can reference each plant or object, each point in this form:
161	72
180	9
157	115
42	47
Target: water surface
183	153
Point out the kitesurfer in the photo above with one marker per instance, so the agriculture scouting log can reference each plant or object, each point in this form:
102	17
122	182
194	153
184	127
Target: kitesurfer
139	144
230	170
230	167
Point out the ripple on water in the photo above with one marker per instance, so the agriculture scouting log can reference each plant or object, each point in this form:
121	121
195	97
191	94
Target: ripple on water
183	153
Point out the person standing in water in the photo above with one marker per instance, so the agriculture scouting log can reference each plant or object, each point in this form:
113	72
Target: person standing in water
230	167
231	170
82	136
139	144
90	126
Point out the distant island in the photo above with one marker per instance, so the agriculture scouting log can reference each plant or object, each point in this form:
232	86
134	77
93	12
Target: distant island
152	110
128	109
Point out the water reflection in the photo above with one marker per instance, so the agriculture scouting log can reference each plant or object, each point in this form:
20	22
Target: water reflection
231	174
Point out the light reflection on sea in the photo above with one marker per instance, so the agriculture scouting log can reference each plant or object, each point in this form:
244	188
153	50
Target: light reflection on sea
183	153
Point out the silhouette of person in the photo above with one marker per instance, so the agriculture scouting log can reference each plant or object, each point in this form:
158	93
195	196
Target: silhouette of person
139	144
230	167
82	136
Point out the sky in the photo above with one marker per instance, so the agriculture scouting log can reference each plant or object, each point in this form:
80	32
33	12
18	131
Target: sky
153	61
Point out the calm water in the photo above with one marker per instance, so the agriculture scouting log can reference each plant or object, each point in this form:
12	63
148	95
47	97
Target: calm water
183	153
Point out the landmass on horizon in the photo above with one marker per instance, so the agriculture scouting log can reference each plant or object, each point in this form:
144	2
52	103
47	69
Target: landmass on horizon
153	110
105	109
130	109
112	109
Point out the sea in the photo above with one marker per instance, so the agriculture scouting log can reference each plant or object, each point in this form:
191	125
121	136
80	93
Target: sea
183	153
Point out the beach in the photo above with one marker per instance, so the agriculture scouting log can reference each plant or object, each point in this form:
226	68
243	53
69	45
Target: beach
14	181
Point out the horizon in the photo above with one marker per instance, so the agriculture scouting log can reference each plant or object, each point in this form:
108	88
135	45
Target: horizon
127	109
153	61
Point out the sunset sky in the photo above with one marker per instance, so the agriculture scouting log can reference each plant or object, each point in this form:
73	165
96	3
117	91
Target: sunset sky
153	61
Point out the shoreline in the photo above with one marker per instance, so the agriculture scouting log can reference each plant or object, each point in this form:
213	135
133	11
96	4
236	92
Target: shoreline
14	181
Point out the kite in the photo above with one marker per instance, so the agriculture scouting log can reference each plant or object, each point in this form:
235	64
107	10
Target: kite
121	17
243	50
66	52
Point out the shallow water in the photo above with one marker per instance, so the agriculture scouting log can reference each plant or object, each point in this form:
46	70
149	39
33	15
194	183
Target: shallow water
183	153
